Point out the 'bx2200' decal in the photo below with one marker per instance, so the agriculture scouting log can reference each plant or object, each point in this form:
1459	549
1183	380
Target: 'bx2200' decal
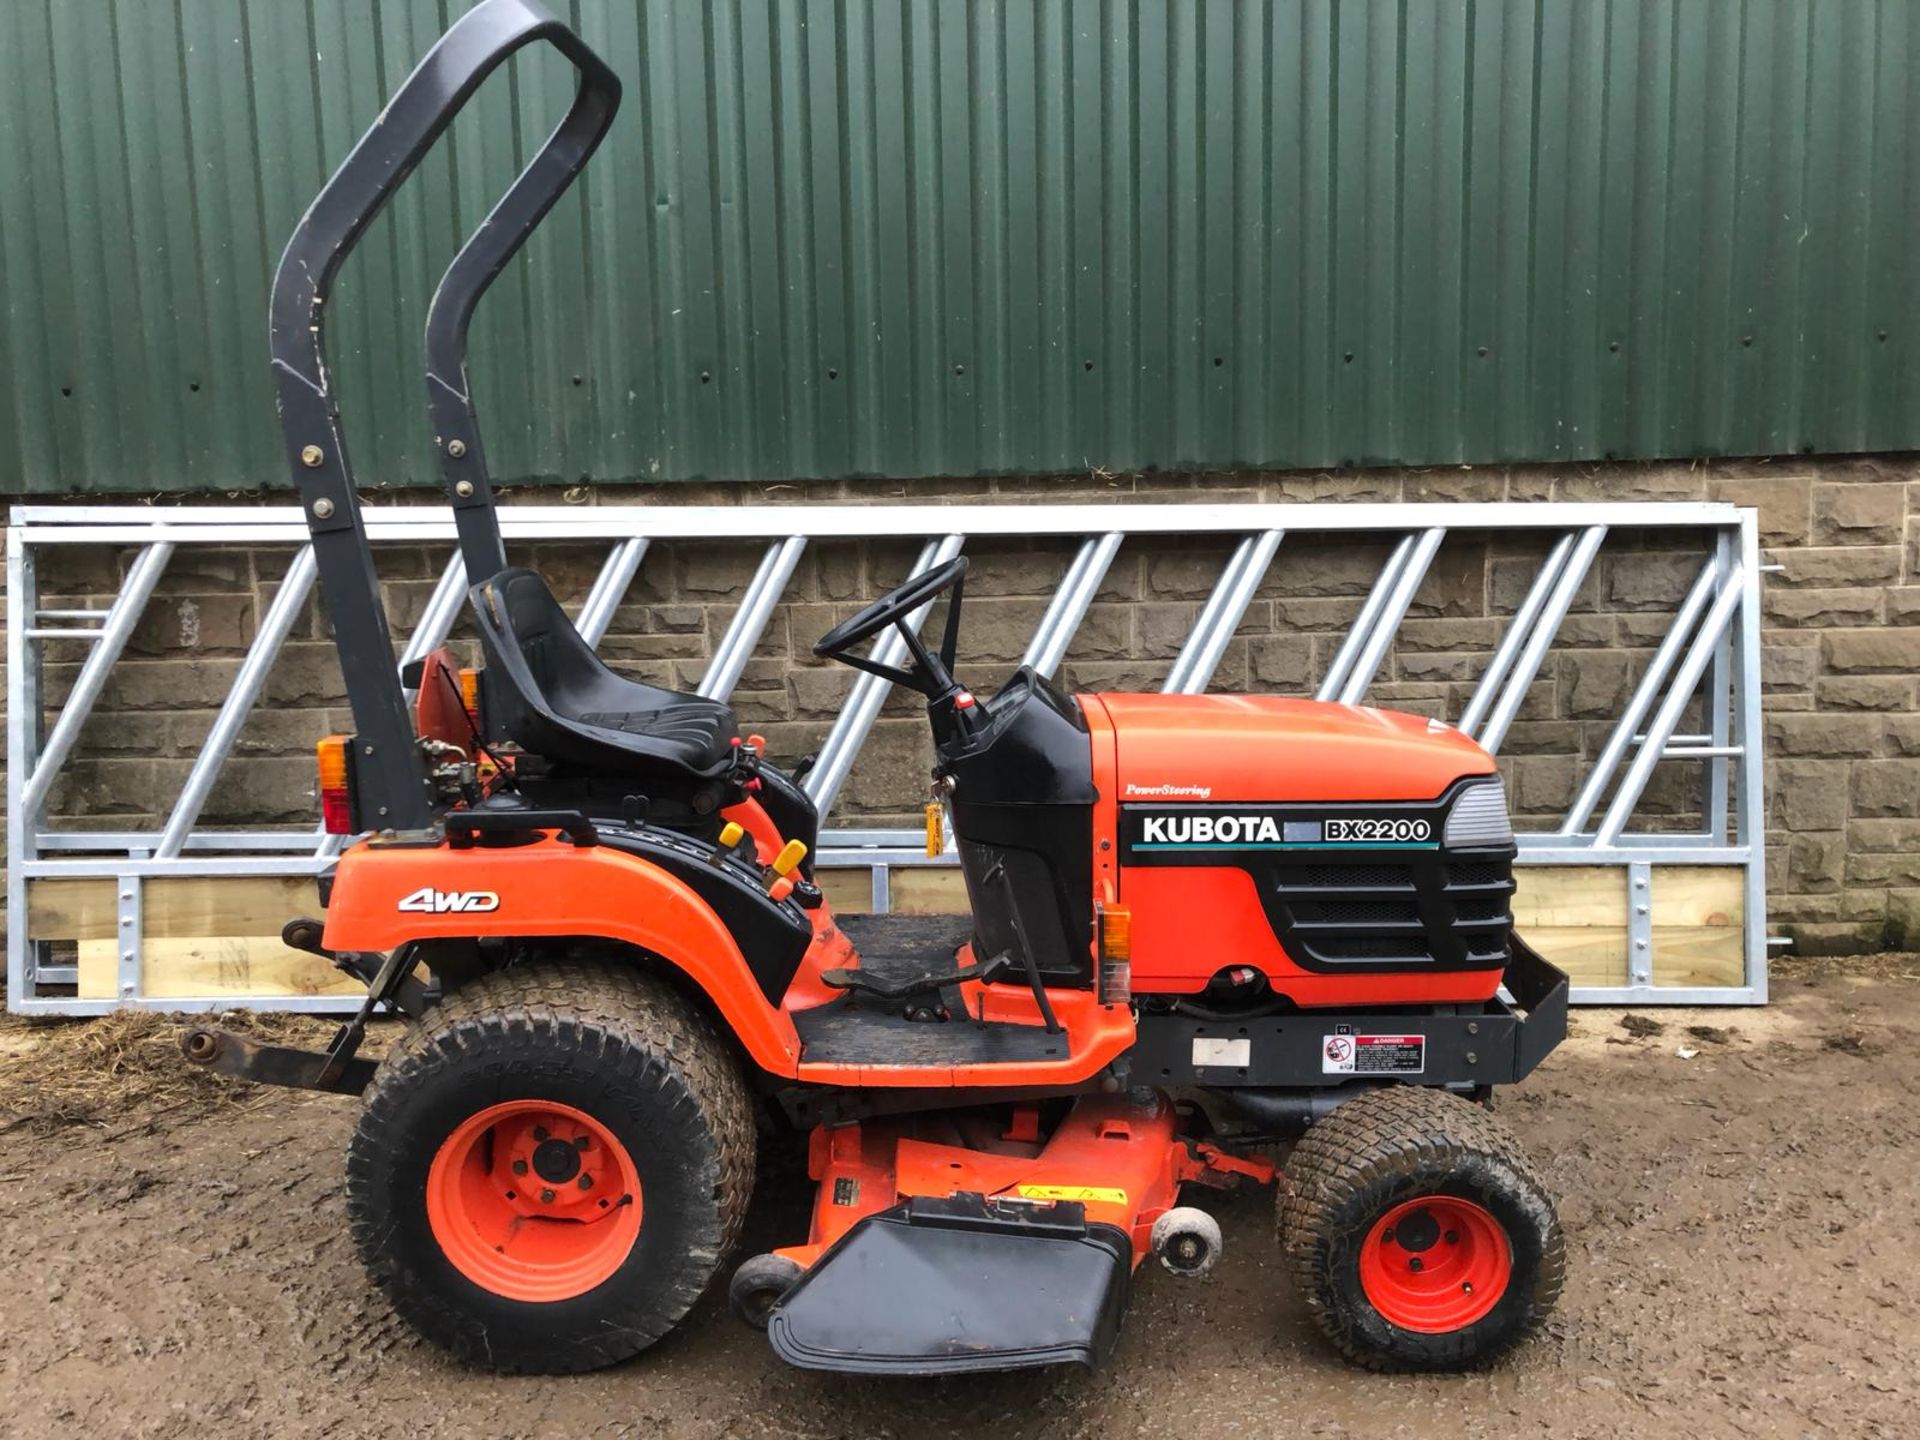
1378	831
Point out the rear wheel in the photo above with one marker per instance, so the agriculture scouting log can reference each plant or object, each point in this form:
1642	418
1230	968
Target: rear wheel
551	1166
1417	1232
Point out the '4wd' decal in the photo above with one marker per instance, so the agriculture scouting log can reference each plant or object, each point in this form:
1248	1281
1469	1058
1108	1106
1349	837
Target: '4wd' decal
429	901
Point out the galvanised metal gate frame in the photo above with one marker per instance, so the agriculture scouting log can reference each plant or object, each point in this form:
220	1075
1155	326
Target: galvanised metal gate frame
1714	639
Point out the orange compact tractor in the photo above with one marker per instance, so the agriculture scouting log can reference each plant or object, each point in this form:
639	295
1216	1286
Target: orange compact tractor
1201	927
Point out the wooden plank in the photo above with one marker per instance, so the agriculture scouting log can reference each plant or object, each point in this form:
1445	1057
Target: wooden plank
99	970
1570	896
1709	896
1593	955
915	890
849	890
216	965
1575	916
182	908
930	892
72	910
199	905
1699	934
207	936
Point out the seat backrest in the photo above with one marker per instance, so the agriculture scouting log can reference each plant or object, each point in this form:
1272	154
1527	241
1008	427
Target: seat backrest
548	692
522	631
552	646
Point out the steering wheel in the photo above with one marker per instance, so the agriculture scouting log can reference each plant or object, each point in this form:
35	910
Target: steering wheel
891	608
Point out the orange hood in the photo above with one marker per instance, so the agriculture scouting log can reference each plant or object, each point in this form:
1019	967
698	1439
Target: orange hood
1202	748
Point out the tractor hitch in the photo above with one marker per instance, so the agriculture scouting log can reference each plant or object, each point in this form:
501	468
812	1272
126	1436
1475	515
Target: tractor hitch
338	1069
246	1059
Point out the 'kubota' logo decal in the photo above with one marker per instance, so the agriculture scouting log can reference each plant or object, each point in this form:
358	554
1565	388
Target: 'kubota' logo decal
1220	830
429	901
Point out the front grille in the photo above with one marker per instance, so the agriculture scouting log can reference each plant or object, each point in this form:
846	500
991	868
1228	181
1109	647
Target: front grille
1368	912
1381	947
1480	907
1420	910
1479	872
1350	874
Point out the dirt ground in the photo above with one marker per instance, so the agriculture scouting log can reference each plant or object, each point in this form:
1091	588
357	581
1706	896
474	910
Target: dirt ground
1738	1190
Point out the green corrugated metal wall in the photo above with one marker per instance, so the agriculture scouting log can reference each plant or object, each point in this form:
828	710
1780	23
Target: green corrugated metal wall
875	237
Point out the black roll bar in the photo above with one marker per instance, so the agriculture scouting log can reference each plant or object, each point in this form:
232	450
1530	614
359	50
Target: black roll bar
388	769
449	397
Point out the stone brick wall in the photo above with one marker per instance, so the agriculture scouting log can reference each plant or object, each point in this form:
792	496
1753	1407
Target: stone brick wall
1842	648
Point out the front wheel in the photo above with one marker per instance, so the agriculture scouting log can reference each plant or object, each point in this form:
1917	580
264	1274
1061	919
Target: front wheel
550	1167
1417	1232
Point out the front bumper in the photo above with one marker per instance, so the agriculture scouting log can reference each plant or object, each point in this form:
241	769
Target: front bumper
1316	1049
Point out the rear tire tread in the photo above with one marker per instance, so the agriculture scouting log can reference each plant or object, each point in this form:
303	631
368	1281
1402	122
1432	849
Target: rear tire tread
614	1021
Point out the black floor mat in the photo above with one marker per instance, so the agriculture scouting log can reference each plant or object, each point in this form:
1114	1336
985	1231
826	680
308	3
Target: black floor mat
895	945
841	1033
905	947
864	1030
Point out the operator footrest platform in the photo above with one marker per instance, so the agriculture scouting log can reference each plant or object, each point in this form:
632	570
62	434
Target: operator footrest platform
955	1285
845	1034
861	1030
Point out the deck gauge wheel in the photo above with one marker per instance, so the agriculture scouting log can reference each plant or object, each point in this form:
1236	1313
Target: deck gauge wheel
1187	1241
758	1285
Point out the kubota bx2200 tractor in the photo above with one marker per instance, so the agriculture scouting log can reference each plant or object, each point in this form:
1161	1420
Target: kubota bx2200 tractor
1199	927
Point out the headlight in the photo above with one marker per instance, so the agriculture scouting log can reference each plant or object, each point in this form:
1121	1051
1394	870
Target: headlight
1479	817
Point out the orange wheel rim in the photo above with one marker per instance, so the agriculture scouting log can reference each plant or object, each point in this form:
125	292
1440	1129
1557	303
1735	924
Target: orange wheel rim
1436	1264
534	1200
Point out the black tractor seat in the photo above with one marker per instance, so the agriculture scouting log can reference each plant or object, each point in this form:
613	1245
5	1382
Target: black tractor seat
548	693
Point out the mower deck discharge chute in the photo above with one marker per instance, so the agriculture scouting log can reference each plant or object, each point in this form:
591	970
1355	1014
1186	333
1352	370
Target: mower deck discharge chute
1200	927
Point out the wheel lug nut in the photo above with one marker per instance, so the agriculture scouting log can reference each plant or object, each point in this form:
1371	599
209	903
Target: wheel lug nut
581	1142
539	1132
1466	1287
1453	1237
1416	1264
546	1197
519	1167
1388	1237
586	1182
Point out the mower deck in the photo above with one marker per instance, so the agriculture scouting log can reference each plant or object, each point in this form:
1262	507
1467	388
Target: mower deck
981	1241
956	1285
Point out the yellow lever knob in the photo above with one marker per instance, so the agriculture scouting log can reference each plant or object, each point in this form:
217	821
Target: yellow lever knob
730	834
791	854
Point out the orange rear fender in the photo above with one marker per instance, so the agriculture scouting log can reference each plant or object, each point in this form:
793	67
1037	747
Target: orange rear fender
384	896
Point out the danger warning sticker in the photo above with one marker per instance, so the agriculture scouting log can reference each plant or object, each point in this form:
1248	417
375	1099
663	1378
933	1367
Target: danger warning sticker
1343	1054
1085	1194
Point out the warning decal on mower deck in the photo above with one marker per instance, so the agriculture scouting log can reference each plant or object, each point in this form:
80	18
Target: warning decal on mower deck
1344	1054
1085	1194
